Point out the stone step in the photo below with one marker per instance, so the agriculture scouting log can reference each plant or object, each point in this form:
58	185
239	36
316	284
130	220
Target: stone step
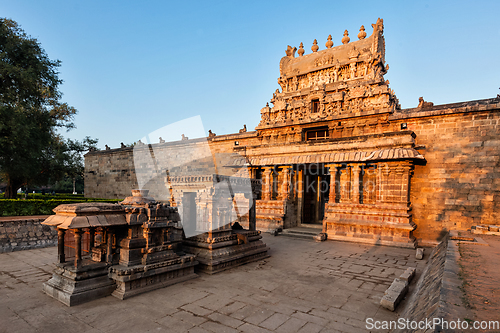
304	233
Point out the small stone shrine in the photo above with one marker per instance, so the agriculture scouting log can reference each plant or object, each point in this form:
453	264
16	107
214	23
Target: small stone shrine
151	254
209	203
121	250
92	225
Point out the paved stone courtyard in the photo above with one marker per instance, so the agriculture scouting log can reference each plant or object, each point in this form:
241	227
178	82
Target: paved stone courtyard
303	287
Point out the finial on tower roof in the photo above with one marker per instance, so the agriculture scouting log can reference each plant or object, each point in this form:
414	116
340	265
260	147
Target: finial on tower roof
362	33
301	50
315	46
290	51
329	43
346	38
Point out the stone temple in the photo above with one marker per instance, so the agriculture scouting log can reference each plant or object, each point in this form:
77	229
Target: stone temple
334	151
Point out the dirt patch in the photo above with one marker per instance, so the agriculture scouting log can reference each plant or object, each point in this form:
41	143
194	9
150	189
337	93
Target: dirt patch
480	271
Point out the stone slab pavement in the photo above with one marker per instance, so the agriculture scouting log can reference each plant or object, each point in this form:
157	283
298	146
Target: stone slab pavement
304	286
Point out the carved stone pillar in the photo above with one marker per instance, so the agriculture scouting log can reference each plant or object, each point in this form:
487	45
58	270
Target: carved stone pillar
253	173
252	216
60	245
266	186
332	195
300	194
109	246
285	183
78	247
318	200
402	173
355	183
345	185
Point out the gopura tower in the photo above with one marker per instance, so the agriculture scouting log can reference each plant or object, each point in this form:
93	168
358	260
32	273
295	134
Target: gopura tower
328	136
338	82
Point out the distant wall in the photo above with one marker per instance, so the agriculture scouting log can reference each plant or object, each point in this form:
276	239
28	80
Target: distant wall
109	174
24	234
112	174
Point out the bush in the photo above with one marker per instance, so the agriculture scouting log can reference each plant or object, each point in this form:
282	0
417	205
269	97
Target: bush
49	196
21	207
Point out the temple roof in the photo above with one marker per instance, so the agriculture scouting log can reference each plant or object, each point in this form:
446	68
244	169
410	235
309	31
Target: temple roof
86	214
362	49
339	157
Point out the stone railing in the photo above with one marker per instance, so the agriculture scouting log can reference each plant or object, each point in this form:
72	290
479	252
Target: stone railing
23	233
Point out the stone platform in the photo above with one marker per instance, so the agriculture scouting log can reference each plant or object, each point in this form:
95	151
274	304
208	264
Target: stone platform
224	249
73	286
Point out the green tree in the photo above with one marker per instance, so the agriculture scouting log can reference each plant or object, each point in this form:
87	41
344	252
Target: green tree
31	150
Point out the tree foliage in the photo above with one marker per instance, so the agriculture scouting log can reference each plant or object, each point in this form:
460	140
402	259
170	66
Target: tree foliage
31	150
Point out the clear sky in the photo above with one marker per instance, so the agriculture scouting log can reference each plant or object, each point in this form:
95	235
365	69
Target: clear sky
131	67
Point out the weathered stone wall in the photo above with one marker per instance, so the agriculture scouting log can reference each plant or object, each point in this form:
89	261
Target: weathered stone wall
24	234
459	185
111	174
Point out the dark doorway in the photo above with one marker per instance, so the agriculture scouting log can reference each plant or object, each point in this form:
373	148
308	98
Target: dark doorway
189	212
316	191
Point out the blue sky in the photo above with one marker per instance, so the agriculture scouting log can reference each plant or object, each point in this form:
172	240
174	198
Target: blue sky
132	67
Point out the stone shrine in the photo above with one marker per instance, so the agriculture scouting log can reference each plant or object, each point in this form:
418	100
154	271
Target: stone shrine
226	244
130	248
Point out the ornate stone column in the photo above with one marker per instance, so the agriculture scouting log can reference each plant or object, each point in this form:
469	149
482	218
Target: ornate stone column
109	246
402	180
78	247
355	182
285	184
332	195
300	194
60	245
318	199
266	186
345	185
385	174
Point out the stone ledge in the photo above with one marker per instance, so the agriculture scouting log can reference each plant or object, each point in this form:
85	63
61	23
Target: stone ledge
398	289
437	293
486	230
448	109
374	240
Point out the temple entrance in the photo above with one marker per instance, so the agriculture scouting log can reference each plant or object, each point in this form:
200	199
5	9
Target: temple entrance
189	211
316	188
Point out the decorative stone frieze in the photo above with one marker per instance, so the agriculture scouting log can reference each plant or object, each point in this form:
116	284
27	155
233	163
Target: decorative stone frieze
350	77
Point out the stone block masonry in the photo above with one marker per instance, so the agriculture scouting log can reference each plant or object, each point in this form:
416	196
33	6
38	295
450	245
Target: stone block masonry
25	233
459	185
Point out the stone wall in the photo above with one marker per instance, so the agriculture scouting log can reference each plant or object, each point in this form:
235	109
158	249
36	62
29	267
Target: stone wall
23	234
111	174
459	185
